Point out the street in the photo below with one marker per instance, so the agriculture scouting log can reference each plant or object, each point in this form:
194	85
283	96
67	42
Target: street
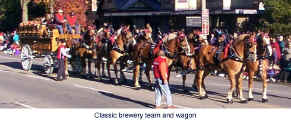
21	89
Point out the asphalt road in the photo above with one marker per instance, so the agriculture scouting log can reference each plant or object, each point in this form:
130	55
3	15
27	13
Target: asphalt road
20	89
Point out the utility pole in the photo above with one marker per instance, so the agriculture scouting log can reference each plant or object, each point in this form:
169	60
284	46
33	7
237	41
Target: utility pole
203	4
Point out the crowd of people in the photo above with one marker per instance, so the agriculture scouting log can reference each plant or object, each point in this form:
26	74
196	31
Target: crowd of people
10	43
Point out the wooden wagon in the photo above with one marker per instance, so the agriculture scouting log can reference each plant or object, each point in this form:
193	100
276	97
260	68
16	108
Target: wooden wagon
40	41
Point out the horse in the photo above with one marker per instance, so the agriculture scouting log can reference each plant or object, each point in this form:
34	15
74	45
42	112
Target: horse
116	51
86	51
232	64
258	64
144	55
186	58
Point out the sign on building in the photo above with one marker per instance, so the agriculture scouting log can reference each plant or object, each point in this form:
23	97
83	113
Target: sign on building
193	21
185	5
205	21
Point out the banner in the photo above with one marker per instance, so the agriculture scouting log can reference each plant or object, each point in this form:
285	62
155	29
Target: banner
185	5
193	21
205	21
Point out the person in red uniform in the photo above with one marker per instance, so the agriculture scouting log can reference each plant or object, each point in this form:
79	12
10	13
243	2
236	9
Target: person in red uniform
61	55
60	21
161	86
72	23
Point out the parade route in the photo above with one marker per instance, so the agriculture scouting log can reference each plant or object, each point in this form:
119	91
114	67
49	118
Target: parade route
21	89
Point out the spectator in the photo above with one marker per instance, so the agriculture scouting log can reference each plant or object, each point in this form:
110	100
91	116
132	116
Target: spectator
15	38
286	64
276	51
161	76
213	39
281	43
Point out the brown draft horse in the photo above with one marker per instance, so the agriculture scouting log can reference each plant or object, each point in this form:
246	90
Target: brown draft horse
186	58
233	65
116	52
142	54
257	64
86	52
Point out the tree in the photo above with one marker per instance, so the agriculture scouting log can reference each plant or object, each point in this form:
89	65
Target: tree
277	16
79	7
10	14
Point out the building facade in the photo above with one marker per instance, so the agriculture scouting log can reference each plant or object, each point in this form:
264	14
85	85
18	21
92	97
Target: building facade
168	14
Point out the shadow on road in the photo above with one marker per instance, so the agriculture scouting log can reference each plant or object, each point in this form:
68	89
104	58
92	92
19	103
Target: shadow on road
17	65
127	99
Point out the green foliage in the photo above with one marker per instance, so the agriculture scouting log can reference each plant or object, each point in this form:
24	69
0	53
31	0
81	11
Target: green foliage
277	16
10	14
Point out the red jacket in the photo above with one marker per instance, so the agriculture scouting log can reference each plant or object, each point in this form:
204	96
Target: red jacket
59	18
276	46
59	55
72	20
160	68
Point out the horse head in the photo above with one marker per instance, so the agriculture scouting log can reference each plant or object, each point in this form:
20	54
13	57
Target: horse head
251	47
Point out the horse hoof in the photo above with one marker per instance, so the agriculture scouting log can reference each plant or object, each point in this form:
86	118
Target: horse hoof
243	101
229	101
203	97
137	86
116	82
234	95
251	99
264	100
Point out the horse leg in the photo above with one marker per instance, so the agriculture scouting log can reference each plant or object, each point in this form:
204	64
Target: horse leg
206	73
98	67
232	87
136	74
116	73
239	87
122	66
89	66
108	70
199	78
265	85
147	72
83	62
251	80
184	84
103	68
194	85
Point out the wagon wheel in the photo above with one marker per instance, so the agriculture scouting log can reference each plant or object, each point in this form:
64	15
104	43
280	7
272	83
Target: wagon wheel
47	65
26	58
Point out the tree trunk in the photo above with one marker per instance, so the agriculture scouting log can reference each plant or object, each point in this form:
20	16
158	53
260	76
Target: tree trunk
24	10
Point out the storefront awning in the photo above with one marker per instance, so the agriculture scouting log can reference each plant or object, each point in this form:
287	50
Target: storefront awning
125	4
192	12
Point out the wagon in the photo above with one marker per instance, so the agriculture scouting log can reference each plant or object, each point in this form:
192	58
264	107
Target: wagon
40	41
